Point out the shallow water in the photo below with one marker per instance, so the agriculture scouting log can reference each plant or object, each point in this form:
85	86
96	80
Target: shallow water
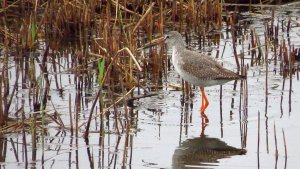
161	124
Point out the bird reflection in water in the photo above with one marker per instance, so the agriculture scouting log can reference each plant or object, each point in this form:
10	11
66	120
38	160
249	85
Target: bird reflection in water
203	151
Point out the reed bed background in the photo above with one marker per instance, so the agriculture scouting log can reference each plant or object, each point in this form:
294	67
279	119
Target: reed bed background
107	42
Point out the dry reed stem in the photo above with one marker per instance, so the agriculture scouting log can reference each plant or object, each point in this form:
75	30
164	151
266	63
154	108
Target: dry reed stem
110	65
86	133
118	64
151	43
18	125
258	133
247	5
11	5
96	55
24	142
276	146
120	99
175	86
132	56
6	34
285	149
125	9
70	114
143	17
113	60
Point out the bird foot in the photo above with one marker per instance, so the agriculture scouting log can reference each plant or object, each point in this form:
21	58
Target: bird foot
204	117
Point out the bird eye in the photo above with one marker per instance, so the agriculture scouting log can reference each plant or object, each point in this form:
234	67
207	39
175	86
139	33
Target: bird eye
167	36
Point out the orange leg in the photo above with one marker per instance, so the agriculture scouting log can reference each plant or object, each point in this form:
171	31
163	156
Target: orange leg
205	101
204	105
202	102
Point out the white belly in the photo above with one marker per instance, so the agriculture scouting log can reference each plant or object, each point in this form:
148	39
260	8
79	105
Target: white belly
178	62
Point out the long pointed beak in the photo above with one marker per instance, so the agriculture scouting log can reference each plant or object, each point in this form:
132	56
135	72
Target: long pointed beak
153	42
159	40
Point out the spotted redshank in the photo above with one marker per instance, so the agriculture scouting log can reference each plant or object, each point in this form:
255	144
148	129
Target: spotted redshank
196	68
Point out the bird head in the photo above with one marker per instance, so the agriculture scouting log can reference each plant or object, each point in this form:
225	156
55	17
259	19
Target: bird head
174	38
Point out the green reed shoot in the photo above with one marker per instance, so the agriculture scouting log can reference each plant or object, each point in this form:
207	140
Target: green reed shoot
33	31
101	66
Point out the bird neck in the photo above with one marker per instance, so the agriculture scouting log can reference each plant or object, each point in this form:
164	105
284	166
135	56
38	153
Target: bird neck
180	44
179	47
177	52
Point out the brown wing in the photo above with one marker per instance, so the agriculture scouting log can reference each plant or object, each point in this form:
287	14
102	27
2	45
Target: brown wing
205	67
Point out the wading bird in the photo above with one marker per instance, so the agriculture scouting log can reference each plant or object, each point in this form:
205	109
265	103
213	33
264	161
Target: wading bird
196	68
